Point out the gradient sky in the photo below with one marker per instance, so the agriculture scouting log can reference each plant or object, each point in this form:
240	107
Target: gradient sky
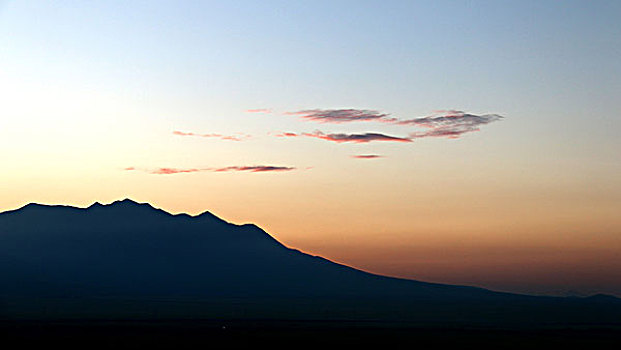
182	103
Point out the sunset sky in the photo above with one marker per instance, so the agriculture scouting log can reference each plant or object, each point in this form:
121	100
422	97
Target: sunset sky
464	142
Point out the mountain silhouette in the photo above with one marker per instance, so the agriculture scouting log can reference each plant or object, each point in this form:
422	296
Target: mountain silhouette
128	259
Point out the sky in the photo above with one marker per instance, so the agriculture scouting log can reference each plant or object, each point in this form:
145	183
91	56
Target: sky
463	142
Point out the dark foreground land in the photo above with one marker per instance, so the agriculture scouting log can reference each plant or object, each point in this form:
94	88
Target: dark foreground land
291	334
222	283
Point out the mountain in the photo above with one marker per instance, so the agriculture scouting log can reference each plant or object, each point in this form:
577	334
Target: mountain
130	260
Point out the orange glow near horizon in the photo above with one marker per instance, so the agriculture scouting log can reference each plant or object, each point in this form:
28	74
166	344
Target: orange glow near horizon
526	241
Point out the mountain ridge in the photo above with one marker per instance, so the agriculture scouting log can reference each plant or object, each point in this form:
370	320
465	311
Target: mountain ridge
128	203
129	251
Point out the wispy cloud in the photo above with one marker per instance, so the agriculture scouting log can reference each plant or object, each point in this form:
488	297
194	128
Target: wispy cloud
255	168
341	115
451	124
367	156
237	137
168	171
340	138
259	110
250	168
287	134
356	138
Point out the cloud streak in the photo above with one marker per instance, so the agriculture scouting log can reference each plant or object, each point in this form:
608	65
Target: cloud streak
356	138
339	116
238	137
255	168
259	110
287	134
250	168
169	171
367	156
450	124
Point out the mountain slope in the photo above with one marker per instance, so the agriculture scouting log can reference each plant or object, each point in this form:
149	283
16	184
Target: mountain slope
106	259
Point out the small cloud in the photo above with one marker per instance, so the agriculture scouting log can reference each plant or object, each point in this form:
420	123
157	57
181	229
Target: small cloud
181	133
168	171
252	168
287	134
239	137
451	124
342	115
367	156
356	138
259	110
236	137
255	168
443	123
130	168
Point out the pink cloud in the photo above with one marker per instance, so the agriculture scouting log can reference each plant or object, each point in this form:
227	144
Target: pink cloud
255	168
259	110
450	118
341	115
367	156
356	138
450	124
237	137
168	171
181	133
287	134
251	168
444	123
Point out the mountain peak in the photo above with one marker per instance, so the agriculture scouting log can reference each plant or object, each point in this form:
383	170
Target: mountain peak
127	201
125	206
122	203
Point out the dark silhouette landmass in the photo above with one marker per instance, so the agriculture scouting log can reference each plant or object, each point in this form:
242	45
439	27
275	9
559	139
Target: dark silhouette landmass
128	260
